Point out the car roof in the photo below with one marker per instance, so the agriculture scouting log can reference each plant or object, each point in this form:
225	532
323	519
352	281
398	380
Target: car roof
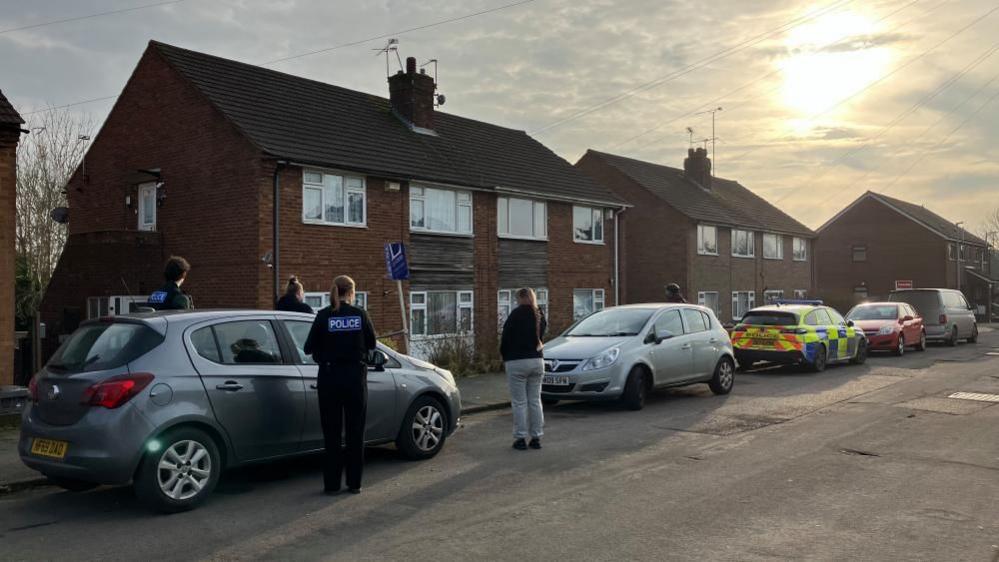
796	308
192	316
878	303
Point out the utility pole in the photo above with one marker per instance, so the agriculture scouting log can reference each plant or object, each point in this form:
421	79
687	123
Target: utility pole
713	138
959	248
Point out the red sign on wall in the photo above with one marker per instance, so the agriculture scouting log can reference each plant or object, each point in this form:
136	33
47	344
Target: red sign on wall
903	284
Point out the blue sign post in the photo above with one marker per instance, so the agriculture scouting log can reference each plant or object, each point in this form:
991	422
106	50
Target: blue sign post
398	270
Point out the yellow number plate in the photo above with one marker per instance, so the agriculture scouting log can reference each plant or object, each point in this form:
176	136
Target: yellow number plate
49	448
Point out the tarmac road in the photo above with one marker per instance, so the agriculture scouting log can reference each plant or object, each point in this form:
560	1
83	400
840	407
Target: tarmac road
860	462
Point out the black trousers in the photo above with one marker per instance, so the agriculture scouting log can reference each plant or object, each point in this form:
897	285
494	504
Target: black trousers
343	404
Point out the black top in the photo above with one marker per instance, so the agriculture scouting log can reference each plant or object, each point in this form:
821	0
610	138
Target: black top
675	297
523	332
290	303
341	336
170	297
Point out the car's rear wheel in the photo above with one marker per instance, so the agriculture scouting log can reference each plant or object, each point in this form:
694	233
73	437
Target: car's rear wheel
724	377
424	429
635	389
952	340
900	348
860	357
922	342
974	334
819	363
181	473
72	484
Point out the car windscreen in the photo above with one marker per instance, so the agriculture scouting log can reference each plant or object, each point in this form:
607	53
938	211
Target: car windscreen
104	345
612	322
926	302
874	312
769	318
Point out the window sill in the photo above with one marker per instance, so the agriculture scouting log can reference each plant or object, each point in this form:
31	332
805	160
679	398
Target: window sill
714	255
515	237
749	257
773	259
442	233
314	222
800	260
590	242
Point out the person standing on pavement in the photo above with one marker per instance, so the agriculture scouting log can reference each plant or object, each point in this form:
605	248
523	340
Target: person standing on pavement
673	293
521	346
340	341
294	298
169	296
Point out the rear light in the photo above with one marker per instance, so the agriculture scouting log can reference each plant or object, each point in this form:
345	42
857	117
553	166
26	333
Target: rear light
115	391
943	319
33	388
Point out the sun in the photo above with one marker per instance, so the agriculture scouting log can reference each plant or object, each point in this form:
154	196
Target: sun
830	59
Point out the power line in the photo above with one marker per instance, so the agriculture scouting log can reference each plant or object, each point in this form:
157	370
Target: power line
78	18
91	100
696	65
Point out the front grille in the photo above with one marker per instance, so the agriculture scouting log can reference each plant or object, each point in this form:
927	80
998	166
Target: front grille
561	365
556	389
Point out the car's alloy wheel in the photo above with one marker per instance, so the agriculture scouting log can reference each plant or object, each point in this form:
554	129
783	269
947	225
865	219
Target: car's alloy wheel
900	350
819	363
952	341
861	356
724	377
922	342
635	390
180	472
424	429
974	334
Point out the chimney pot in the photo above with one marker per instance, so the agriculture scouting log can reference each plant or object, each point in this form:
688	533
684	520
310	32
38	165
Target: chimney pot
697	167
410	65
412	95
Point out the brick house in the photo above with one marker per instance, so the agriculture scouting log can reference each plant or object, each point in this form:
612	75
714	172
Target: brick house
196	146
725	246
877	241
10	135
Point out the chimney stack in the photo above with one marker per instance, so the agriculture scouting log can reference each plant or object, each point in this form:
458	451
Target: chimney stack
412	96
697	166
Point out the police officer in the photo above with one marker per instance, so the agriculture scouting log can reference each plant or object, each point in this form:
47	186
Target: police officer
673	293
169	296
340	341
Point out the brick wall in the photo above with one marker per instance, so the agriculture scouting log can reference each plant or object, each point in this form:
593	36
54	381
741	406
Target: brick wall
8	184
486	272
897	248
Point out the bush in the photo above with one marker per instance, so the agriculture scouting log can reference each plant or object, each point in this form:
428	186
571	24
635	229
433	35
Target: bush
458	355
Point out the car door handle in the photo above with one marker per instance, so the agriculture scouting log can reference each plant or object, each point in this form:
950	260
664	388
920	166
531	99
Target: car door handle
713	340
229	386
685	346
314	386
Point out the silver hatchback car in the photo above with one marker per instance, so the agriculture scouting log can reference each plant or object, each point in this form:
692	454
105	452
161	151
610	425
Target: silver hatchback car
168	400
626	351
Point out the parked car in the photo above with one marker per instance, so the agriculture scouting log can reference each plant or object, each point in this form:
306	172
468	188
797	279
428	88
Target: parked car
947	316
889	326
623	353
168	400
797	334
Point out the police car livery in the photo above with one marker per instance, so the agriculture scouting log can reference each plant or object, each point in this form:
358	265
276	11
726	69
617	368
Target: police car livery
797	332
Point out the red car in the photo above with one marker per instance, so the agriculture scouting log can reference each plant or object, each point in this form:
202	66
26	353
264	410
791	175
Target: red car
889	326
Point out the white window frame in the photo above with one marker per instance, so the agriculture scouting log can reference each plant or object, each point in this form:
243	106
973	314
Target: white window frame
802	244
701	230
506	302
146	188
463	200
751	239
596	216
772	295
347	192
702	299
801	294
751	303
114	305
779	240
599	301
464	300
503	219
360	299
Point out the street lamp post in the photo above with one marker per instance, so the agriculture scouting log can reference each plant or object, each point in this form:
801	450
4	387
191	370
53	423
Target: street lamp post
960	247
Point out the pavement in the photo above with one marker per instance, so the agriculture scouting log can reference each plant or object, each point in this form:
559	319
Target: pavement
872	462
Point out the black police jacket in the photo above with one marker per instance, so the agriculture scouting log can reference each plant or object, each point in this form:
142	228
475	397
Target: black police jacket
290	303
169	297
342	336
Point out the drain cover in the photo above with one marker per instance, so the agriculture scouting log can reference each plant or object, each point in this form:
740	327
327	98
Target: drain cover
975	396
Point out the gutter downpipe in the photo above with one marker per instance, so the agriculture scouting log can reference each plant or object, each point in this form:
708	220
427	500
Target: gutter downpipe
617	261
276	250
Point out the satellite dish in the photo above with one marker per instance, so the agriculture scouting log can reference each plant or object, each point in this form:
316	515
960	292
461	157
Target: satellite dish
60	215
441	99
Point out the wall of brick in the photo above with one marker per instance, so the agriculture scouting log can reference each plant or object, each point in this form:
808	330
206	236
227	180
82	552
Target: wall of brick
8	189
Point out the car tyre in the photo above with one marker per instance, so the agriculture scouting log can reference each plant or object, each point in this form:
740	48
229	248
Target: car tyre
424	429
724	377
860	357
952	340
72	484
974	334
635	390
819	363
181	474
922	342
900	348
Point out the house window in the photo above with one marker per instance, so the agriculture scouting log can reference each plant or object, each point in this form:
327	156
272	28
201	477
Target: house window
445	211
319	300
964	253
742	302
521	218
743	243
800	249
98	307
951	252
801	294
860	253
335	199
588	225
506	301
860	292
772	296
586	302
773	246
707	240
438	313
147	206
709	299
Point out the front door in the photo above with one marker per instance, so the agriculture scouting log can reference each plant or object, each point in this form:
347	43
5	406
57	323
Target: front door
382	419
673	358
257	394
147	206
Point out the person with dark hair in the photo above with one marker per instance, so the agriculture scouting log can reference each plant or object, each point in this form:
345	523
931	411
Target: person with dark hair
340	341
673	293
294	298
521	346
169	296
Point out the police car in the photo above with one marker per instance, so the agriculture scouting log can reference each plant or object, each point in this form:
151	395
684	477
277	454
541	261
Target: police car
797	332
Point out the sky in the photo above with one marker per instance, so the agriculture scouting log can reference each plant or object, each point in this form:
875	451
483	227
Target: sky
820	101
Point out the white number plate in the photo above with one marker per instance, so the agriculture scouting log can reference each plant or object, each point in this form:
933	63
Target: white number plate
555	379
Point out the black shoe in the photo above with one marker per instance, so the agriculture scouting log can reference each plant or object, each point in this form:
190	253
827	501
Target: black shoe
535	443
354	490
520	445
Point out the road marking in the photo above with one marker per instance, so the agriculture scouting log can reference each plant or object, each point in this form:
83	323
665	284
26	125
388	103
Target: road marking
981	397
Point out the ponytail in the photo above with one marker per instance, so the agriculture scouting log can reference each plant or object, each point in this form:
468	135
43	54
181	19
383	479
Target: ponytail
295	287
342	286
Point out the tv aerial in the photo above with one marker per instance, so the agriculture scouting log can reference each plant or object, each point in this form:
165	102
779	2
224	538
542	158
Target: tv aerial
391	47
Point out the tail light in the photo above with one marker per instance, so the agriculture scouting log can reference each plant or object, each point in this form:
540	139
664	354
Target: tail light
943	319
115	391
33	388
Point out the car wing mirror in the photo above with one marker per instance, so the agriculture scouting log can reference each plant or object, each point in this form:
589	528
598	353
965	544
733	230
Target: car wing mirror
377	359
849	323
907	318
663	335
